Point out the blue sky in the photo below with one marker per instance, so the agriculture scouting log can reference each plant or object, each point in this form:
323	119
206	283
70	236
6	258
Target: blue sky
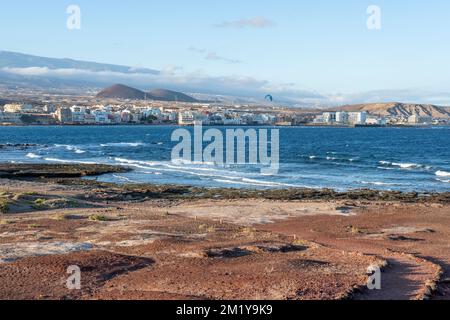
318	46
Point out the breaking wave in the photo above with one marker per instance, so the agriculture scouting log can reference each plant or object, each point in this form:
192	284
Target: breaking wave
68	161
379	183
69	147
441	173
33	156
123	144
404	165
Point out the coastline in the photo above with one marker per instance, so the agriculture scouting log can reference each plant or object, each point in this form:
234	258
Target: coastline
68	174
308	125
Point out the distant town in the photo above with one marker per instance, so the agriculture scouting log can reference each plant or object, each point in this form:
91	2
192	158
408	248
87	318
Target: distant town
187	114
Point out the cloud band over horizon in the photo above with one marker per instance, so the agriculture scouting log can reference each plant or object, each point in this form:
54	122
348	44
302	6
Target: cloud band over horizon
233	85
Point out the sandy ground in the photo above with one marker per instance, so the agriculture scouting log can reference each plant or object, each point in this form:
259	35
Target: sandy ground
218	249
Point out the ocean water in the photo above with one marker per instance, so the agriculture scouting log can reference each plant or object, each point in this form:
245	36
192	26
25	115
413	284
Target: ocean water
405	159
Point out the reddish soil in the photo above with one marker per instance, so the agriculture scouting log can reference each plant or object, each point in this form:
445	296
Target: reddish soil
222	249
416	253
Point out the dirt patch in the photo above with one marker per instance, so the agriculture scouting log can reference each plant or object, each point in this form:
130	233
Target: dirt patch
254	212
12	252
46	277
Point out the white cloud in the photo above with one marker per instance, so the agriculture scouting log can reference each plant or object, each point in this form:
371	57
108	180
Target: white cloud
409	95
214	56
198	50
256	22
174	77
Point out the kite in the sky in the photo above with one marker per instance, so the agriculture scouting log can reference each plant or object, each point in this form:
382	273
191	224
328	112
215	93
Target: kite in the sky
269	98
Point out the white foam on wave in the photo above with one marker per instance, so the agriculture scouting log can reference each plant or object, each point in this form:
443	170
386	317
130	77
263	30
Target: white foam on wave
68	161
210	173
188	162
268	183
443	180
405	165
178	164
123	144
442	173
234	182
252	182
69	147
156	173
33	156
385	168
148	165
379	183
123	178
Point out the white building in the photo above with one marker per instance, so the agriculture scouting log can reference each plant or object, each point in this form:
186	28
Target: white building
173	116
185	119
89	118
232	122
10	117
12	108
64	115
102	117
318	119
79	113
262	119
357	117
116	117
49	108
125	116
342	117
373	120
78	117
152	112
329	117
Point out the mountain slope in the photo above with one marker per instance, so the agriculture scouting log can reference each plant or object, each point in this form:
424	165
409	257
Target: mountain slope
19	60
168	95
400	109
120	91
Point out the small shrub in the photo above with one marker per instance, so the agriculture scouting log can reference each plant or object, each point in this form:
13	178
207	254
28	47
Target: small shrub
17	196
60	216
4	206
98	217
299	242
39	204
354	230
248	230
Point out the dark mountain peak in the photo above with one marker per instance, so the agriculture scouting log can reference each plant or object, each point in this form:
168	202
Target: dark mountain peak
120	91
